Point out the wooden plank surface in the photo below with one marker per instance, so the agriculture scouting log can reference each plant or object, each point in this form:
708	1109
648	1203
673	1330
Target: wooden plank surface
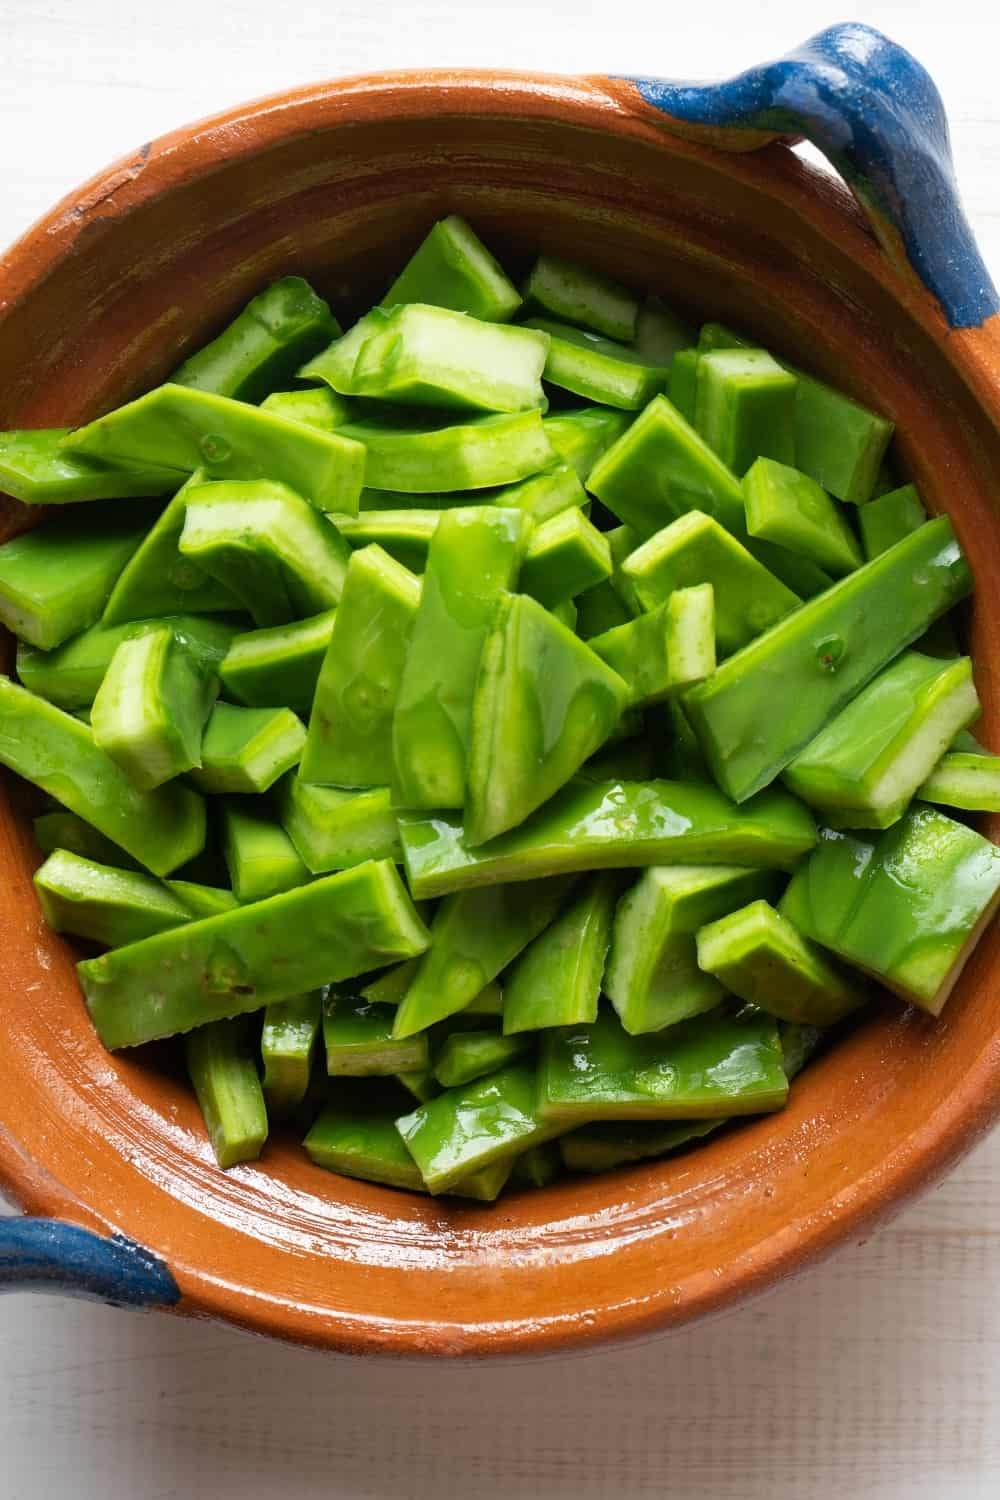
877	1375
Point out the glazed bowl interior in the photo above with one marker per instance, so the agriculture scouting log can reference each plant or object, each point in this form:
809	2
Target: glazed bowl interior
339	185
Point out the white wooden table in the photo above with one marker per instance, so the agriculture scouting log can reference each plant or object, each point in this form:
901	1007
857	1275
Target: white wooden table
875	1376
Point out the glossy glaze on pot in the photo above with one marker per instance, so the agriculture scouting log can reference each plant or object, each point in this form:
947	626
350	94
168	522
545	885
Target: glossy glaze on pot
338	183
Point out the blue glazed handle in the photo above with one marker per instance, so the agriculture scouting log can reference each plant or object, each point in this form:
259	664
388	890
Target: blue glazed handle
876	114
45	1255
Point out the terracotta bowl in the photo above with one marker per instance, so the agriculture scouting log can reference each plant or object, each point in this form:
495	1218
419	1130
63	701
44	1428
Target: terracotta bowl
654	184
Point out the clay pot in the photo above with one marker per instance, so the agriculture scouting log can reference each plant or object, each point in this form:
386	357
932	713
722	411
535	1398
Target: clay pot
339	182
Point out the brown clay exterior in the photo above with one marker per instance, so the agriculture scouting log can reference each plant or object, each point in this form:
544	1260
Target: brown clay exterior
339	181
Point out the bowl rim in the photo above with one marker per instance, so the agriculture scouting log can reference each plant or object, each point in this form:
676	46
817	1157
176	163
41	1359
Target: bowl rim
190	152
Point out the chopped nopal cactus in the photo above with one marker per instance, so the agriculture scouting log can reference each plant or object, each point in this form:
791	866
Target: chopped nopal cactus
423	355
358	1140
359	1041
543	496
248	749
862	770
162	829
660	469
453	268
597	368
889	517
264	345
837	442
333	828
414	454
695	549
420	1086
465	1129
612	825
679	756
55	580
709	1066
405	535
335	364
223	1072
760	956
544	702
188	429
638	652
579	295
474	558
466	1055
745	407
799	573
967	777
201	900
690	636
474	935
718	336
103	904
682	387
36	469
350	729
157	580
600	1148
907	906
799	1044
788	508
818	658
579	437
70	675
652	976
260	857
390	989
317	407
588	675
322	933
287	1044
277	554
151	709
566	555
557	979
64	830
279	666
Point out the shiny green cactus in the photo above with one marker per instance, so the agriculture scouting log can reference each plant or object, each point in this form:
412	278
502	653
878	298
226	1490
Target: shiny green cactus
151	709
557	979
760	956
321	933
862	770
818	658
186	429
652	977
55	580
699	1069
350	728
597	368
451	267
474	558
610	825
277	554
264	344
161	829
906	906
474	935
544	702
